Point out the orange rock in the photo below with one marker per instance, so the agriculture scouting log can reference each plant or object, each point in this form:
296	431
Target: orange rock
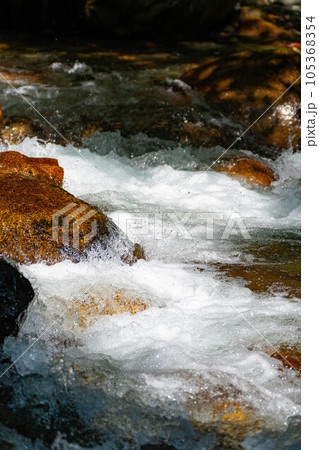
243	85
42	169
199	136
94	307
17	74
221	413
252	23
290	357
269	278
28	233
247	169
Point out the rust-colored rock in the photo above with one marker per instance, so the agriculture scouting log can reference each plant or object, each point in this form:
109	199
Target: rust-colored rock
262	278
200	136
31	227
252	22
42	169
18	74
220	412
246	169
243	85
94	306
15	129
290	357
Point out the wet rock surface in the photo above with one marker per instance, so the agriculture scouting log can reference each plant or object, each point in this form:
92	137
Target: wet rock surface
245	84
31	210
16	129
152	357
246	169
16	293
258	24
42	169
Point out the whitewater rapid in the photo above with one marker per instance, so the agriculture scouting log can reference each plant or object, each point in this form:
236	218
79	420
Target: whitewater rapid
199	331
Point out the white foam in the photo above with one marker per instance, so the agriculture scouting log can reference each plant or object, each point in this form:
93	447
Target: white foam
194	322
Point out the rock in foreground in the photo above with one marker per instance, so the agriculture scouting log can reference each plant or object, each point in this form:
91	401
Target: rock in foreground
15	295
40	221
42	169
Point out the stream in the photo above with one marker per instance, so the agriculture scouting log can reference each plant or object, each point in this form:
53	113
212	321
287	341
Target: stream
218	293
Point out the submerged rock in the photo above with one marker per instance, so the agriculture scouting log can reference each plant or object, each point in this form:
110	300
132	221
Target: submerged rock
290	357
42	169
15	295
222	412
95	305
40	221
266	278
243	85
246	169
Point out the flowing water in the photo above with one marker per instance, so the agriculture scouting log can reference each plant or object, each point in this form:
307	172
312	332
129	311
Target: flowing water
218	293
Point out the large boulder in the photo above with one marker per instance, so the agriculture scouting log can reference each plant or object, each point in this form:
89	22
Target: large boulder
42	169
40	221
243	85
15	295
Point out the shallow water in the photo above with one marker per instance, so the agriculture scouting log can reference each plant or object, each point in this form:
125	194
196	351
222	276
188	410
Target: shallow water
202	336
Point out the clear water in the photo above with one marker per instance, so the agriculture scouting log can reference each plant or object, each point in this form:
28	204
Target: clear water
123	380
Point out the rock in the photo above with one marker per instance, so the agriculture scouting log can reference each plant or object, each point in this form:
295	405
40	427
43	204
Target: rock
253	23
289	356
31	225
18	74
246	169
201	136
1	119
15	295
218	411
15	129
42	169
243	85
266	278
93	306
